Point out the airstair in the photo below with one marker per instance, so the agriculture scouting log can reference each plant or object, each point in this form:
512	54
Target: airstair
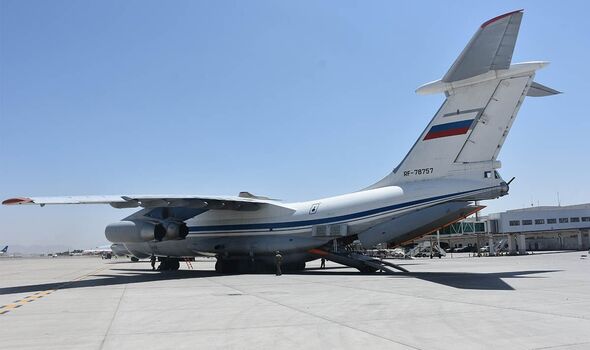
500	245
440	250
424	249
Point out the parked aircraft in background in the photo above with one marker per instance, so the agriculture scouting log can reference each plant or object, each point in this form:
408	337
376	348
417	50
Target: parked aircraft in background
120	250
4	250
98	250
452	164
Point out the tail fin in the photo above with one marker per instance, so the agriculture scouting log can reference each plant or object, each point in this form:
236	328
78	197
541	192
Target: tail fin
4	250
484	92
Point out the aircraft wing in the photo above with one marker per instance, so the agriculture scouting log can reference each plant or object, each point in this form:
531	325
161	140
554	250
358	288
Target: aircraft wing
154	201
490	48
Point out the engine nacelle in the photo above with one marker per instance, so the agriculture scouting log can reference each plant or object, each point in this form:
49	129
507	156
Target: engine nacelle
134	231
139	231
175	230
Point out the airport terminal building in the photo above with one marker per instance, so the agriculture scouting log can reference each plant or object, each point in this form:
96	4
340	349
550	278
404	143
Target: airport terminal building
528	229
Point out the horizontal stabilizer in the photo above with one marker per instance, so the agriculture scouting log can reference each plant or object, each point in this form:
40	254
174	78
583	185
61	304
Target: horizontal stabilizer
490	48
484	92
538	90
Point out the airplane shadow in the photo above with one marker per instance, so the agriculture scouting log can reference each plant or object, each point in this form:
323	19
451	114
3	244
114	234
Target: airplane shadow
460	280
479	281
131	277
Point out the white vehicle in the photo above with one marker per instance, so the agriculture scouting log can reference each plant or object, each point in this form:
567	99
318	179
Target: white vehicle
452	163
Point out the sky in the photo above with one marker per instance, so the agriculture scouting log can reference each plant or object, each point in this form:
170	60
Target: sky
290	99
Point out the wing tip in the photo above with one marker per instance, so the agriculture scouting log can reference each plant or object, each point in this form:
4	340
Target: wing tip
17	200
497	18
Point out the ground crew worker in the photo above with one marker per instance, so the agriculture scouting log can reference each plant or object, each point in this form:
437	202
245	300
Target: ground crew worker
323	264
278	261
153	261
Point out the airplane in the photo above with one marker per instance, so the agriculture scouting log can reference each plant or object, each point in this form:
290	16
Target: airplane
103	249
119	249
452	165
4	250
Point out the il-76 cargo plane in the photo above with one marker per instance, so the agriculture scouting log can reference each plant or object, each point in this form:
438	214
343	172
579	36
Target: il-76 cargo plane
452	164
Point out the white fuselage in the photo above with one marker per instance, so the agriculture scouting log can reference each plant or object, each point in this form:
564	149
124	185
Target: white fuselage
306	225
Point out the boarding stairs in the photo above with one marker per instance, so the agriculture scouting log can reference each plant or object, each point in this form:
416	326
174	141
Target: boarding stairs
499	246
440	250
424	248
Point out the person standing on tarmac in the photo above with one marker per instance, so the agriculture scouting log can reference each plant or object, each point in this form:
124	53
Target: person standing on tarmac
153	261
323	264
278	262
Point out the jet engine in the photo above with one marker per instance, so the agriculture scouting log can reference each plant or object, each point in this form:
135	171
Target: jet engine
142	231
175	230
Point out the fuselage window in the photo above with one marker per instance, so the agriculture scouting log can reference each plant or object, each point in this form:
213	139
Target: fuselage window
314	208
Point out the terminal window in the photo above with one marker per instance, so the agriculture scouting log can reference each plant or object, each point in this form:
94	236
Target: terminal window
563	220
514	222
585	218
539	221
574	219
527	222
551	221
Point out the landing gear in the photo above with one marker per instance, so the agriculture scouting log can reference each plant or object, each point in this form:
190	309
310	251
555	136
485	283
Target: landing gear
227	266
295	266
367	269
134	259
233	266
169	264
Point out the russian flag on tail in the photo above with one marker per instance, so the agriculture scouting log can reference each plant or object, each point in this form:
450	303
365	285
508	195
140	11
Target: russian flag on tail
448	129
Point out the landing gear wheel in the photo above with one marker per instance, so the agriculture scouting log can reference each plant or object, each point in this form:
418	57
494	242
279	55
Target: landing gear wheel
169	264
226	266
368	269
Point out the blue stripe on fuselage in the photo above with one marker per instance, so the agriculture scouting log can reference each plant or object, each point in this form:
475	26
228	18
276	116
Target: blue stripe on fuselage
293	224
